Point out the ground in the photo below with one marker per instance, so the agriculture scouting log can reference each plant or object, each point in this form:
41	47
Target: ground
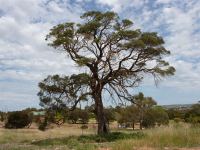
177	136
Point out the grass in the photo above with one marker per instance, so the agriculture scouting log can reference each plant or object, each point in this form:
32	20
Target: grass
174	136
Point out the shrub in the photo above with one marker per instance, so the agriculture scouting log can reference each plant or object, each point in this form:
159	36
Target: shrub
18	120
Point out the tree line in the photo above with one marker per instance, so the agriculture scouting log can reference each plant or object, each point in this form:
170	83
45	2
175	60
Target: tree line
144	112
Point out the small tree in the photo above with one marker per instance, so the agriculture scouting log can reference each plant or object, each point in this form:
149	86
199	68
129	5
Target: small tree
143	104
116	56
84	116
2	116
156	115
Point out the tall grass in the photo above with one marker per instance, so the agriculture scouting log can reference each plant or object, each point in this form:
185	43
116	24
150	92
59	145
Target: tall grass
174	136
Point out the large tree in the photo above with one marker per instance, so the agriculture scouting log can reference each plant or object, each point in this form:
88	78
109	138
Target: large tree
116	55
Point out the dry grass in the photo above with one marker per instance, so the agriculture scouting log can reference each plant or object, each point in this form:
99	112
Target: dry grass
31	134
176	136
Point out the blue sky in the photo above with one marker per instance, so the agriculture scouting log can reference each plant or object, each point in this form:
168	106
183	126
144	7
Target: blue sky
25	58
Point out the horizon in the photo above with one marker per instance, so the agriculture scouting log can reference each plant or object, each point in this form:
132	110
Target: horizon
38	108
25	58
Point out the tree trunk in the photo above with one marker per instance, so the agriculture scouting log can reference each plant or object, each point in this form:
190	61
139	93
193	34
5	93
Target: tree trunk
133	125
140	124
101	119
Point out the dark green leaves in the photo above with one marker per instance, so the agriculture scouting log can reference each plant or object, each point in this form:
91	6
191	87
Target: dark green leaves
151	39
61	34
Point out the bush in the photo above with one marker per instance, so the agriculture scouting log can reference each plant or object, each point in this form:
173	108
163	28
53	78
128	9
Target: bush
18	120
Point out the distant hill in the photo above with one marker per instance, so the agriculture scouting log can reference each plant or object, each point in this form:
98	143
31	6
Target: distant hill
177	106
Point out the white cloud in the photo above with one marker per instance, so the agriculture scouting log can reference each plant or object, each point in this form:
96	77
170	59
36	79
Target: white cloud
163	1
24	54
118	5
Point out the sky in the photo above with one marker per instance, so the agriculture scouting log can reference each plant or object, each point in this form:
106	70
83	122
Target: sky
25	58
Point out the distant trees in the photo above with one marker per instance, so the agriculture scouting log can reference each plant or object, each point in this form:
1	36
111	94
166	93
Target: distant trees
176	114
144	111
193	115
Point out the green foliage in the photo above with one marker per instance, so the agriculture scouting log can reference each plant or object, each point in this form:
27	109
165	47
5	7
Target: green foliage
148	119
18	119
156	115
177	113
129	114
161	116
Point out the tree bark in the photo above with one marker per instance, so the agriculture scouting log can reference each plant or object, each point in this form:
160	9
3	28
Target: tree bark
101	119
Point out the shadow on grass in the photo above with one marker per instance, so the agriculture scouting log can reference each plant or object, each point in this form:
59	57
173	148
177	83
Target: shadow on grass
74	140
